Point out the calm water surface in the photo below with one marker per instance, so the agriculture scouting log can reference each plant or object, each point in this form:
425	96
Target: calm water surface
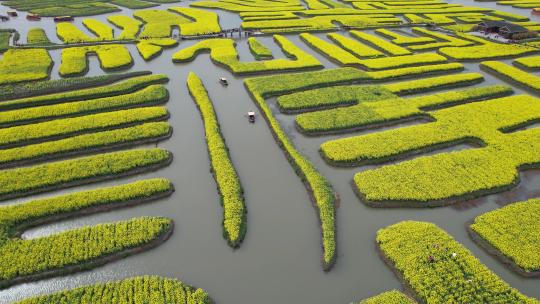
279	261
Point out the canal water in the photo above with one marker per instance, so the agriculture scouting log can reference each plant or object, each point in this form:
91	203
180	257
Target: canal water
279	261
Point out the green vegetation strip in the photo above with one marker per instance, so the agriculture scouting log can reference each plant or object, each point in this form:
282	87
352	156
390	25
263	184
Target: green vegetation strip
529	62
449	177
151	95
82	248
438	269
511	233
318	186
259	50
389	297
222	51
63	174
37	36
379	104
111	57
20	135
523	78
229	187
25	90
86	143
124	87
137	290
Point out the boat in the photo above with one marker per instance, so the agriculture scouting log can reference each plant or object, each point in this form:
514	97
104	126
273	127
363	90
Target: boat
63	18
251	117
536	10
4	18
12	13
223	81
33	17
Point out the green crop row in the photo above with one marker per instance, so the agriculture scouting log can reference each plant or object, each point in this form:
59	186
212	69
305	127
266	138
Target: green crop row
45	87
125	87
137	290
344	57
529	62
528	80
320	189
158	23
151	95
111	57
259	50
386	110
98	28
403	39
366	111
63	8
382	44
229	187
201	22
149	49
40	178
334	96
402	61
25	134
147	132
389	297
18	65
37	36
69	33
319	23
439	269
16	218
222	51
445	178
409	72
443	40
486	50
353	94
433	83
77	249
130	26
354	46
513	232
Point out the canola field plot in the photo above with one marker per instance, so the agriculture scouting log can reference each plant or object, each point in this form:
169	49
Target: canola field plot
77	7
510	233
45	134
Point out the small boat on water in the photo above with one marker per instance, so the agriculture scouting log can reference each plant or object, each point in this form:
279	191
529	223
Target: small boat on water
33	17
63	18
251	117
223	81
536	10
12	13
